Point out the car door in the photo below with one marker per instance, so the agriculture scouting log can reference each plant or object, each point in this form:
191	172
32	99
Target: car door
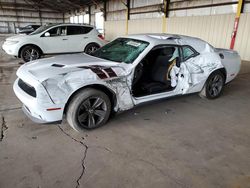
56	41
166	57
78	37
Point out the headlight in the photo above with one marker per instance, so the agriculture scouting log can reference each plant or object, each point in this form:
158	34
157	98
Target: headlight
11	42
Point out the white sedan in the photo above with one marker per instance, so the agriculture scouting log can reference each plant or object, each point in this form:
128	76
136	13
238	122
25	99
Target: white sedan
54	39
124	73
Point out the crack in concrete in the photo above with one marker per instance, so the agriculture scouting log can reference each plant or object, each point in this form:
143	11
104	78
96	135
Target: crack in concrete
174	179
4	127
10	109
84	155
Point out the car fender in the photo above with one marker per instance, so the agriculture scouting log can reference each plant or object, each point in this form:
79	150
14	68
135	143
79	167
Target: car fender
118	87
62	87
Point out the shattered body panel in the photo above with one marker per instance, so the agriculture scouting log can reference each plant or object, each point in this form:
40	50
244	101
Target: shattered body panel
66	85
55	80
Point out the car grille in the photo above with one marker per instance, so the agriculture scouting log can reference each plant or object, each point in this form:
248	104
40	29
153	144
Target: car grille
27	88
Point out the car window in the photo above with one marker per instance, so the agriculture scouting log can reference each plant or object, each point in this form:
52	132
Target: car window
188	52
40	29
63	30
122	50
57	31
74	30
78	30
87	29
54	31
163	56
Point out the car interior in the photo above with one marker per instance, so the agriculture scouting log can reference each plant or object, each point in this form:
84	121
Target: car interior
152	74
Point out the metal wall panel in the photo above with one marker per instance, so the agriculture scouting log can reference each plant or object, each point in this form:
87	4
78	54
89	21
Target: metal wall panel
247	7
140	3
114	29
145	26
214	29
242	43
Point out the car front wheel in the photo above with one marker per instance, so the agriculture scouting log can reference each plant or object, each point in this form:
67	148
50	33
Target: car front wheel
214	86
30	53
89	109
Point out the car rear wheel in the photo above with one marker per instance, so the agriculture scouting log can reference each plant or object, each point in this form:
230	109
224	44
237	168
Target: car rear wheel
30	53
88	109
90	48
214	86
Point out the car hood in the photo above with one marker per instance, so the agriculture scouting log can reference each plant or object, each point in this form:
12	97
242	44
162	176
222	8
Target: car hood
44	69
16	37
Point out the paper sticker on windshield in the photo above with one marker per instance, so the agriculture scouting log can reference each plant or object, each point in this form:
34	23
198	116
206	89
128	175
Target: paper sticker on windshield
133	43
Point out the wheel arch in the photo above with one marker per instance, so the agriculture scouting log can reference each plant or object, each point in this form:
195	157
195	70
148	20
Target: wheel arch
203	92
19	52
111	94
222	70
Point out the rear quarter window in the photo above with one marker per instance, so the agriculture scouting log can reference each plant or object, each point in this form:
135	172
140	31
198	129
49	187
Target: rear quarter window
78	30
87	29
188	52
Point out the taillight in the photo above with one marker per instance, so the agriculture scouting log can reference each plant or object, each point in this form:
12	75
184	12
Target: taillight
101	37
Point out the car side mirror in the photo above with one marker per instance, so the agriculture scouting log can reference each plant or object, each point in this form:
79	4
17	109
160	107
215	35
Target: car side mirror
47	34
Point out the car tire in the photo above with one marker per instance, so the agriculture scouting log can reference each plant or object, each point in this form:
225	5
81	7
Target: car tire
88	109
30	53
213	86
90	48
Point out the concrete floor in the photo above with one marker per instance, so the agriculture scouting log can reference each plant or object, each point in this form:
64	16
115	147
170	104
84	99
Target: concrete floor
180	142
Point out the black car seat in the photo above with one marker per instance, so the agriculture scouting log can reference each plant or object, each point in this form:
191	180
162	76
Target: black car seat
159	74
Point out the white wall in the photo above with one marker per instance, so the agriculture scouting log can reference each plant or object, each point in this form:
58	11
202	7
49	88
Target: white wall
113	29
242	44
216	29
145	26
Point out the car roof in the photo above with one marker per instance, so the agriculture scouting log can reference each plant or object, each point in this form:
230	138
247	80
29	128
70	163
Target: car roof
69	24
173	39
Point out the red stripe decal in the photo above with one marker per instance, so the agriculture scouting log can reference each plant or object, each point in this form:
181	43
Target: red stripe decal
110	72
53	109
99	73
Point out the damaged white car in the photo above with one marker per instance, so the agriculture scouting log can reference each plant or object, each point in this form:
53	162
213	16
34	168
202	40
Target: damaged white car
124	73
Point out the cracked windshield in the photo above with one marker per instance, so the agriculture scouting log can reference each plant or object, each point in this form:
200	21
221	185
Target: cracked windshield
122	50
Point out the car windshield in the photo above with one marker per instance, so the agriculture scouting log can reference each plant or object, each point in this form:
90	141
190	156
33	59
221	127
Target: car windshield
121	50
41	29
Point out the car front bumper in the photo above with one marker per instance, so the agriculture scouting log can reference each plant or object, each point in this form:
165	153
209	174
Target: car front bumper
11	49
34	110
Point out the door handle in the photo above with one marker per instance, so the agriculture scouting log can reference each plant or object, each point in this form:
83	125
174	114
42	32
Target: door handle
65	39
85	37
